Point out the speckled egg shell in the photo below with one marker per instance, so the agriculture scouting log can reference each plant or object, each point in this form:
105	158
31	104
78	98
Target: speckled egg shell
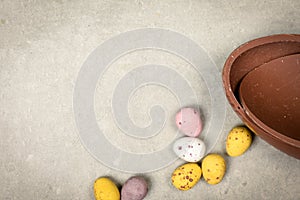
189	122
238	141
213	168
186	176
189	149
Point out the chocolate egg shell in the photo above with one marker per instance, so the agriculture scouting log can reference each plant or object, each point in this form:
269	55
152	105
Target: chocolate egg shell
270	95
244	59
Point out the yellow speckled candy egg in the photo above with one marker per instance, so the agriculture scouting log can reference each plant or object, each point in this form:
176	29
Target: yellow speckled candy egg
238	141
105	189
186	176
213	168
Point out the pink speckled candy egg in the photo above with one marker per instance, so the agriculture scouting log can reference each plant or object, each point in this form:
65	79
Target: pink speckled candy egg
189	122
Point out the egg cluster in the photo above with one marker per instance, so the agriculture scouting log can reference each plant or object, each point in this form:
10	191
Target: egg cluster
191	149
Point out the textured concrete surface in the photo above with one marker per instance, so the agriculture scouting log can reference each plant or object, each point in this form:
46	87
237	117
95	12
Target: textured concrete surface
42	47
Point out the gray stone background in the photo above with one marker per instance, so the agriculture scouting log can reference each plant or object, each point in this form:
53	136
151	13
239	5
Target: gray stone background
42	47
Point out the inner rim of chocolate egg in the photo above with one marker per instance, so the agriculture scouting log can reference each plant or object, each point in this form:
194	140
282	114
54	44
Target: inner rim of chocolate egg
257	56
269	96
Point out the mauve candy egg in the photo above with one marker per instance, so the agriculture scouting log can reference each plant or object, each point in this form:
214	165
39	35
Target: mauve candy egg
135	188
189	122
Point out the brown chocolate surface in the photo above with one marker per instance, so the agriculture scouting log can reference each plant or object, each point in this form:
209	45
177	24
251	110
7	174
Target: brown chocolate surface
270	95
243	60
257	56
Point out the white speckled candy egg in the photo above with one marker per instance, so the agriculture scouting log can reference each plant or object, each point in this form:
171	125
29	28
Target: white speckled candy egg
189	149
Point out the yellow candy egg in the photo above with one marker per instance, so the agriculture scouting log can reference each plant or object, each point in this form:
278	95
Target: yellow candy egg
105	189
213	168
238	141
186	176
